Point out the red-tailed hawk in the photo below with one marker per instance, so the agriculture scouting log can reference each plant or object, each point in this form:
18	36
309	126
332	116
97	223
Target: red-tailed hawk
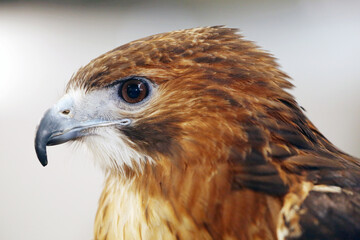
200	140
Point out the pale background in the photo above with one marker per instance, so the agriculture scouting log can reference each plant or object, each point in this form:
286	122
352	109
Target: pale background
42	45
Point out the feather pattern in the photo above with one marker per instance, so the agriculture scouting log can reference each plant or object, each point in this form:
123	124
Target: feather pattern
232	154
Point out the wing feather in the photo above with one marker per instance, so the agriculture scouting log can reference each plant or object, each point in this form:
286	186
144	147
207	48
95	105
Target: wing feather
283	154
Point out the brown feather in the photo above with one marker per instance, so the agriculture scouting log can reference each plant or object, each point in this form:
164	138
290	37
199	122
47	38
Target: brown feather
236	158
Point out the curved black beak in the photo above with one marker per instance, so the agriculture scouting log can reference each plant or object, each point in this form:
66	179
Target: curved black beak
57	127
54	129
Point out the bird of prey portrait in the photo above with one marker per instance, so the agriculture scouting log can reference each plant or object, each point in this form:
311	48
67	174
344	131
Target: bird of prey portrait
199	139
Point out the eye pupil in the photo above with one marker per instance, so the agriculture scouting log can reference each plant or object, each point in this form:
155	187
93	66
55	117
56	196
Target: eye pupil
134	90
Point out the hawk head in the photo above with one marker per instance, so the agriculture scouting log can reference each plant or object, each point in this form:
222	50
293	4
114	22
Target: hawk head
201	123
185	95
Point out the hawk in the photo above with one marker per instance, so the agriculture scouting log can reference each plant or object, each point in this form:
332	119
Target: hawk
200	139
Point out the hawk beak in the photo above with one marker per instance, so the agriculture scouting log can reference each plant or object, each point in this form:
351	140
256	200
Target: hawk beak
57	127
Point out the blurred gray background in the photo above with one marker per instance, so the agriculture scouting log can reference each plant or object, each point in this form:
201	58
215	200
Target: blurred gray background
43	43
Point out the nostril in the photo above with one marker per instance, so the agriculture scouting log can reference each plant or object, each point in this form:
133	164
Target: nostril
66	112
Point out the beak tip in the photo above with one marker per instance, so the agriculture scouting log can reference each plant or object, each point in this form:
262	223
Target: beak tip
43	161
42	156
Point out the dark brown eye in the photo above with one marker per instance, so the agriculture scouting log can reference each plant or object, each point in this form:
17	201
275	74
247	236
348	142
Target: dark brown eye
134	90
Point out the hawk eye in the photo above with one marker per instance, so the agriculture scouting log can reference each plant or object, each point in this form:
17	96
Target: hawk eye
133	90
